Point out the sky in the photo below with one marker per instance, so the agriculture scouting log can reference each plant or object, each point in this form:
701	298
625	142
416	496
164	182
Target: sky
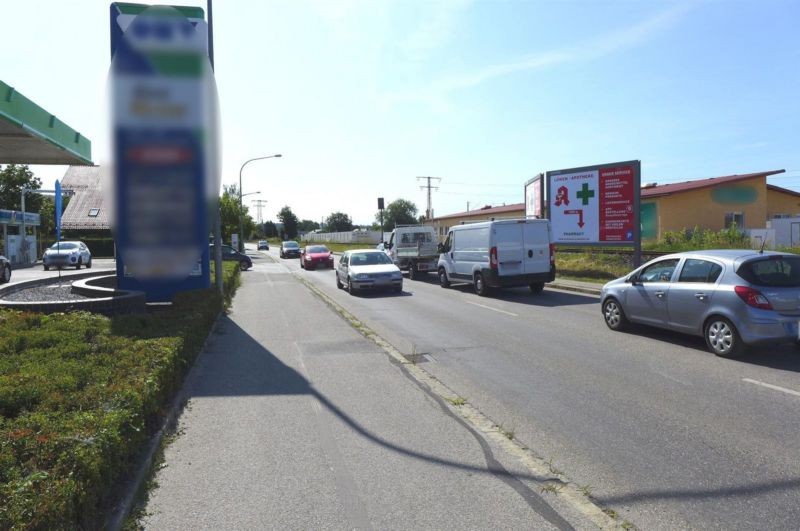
361	97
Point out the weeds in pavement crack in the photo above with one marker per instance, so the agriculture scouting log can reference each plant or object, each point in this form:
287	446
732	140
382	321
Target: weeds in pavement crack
552	488
457	401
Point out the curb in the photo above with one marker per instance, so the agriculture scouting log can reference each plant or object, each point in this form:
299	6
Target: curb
572	287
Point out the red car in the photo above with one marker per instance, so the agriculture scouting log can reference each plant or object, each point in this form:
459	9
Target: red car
313	256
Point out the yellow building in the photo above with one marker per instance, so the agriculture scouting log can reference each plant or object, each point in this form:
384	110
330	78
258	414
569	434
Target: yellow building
715	204
442	224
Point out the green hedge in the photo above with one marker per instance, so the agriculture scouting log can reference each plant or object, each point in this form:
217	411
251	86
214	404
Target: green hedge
79	396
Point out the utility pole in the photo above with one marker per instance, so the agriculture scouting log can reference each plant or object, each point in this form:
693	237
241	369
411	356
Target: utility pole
429	210
217	213
259	206
467	206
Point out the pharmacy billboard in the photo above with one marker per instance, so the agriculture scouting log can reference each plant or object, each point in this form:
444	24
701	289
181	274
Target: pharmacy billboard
534	197
595	205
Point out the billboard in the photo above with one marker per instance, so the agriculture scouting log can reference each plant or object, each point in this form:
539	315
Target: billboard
534	197
595	205
165	170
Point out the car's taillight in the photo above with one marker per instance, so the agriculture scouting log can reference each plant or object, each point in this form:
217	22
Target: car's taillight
753	297
552	253
493	258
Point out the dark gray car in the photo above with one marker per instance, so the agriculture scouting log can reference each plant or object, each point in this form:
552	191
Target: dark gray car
733	298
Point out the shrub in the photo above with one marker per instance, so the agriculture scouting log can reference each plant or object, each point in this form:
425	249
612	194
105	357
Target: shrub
79	396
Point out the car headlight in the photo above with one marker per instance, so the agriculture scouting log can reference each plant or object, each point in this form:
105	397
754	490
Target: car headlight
397	275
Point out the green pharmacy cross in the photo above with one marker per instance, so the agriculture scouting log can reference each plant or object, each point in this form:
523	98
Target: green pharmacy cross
585	194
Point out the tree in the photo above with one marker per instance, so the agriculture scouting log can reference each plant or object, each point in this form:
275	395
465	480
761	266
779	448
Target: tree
339	222
307	225
229	212
398	212
289	220
12	179
270	230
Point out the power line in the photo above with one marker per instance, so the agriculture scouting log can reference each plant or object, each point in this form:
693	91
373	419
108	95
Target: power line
429	210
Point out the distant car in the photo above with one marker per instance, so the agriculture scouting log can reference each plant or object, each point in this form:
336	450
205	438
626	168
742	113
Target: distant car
368	269
263	245
229	254
67	254
733	298
313	256
290	249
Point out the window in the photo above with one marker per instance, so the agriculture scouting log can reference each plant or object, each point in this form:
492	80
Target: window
699	271
659	272
781	216
734	217
93	212
773	271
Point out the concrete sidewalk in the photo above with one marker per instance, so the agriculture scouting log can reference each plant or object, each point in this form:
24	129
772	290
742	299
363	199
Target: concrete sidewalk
297	421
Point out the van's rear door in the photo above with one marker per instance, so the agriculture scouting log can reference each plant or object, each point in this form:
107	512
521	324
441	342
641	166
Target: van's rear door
536	238
508	240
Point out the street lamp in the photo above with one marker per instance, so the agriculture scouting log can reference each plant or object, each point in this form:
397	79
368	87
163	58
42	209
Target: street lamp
241	212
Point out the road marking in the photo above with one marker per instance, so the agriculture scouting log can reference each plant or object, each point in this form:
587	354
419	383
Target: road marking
493	309
775	387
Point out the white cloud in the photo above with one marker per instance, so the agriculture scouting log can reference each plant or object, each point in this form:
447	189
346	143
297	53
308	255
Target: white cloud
625	38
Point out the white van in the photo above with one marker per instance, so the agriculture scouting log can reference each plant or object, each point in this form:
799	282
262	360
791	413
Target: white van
505	253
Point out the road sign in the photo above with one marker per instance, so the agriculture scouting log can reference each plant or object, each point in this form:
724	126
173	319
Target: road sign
596	205
163	105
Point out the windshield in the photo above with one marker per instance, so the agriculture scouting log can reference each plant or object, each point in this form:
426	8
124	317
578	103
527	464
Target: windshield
317	249
777	271
362	259
290	245
64	245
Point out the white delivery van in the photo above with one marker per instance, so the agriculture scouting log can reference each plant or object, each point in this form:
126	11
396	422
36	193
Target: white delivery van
413	248
504	253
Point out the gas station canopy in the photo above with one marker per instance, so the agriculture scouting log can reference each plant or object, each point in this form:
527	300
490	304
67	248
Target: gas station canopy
31	135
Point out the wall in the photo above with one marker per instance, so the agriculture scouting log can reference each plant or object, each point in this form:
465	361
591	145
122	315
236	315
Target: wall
782	203
365	237
442	225
707	207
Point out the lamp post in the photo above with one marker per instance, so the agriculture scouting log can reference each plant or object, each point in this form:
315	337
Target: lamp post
241	213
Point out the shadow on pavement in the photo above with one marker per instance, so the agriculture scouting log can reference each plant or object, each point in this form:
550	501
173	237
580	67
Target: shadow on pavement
238	365
752	489
782	357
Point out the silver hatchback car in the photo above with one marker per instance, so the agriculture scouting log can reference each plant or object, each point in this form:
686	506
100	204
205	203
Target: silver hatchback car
733	298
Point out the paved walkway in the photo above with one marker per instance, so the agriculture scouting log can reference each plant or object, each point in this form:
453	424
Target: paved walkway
297	421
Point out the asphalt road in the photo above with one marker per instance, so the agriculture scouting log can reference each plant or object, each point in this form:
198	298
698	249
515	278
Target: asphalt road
658	428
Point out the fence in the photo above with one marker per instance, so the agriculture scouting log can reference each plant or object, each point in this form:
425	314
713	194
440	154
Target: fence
365	237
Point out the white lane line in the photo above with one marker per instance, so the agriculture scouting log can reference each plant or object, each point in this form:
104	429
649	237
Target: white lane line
493	309
775	387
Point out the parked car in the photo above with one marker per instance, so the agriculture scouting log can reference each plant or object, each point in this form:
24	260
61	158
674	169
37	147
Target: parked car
413	248
313	256
505	253
5	276
67	254
732	298
290	249
263	245
229	254
368	269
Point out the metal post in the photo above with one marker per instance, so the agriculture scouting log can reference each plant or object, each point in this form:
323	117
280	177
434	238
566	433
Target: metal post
382	226
22	247
217	217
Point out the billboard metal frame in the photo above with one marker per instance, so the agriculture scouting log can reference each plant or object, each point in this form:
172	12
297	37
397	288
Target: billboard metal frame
637	225
542	203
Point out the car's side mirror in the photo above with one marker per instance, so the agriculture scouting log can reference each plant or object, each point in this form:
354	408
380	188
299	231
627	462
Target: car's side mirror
634	279
440	248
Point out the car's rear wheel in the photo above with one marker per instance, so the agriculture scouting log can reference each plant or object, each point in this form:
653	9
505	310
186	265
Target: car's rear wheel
537	287
6	274
443	281
78	265
412	272
47	268
89	263
614	315
723	339
480	285
243	265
